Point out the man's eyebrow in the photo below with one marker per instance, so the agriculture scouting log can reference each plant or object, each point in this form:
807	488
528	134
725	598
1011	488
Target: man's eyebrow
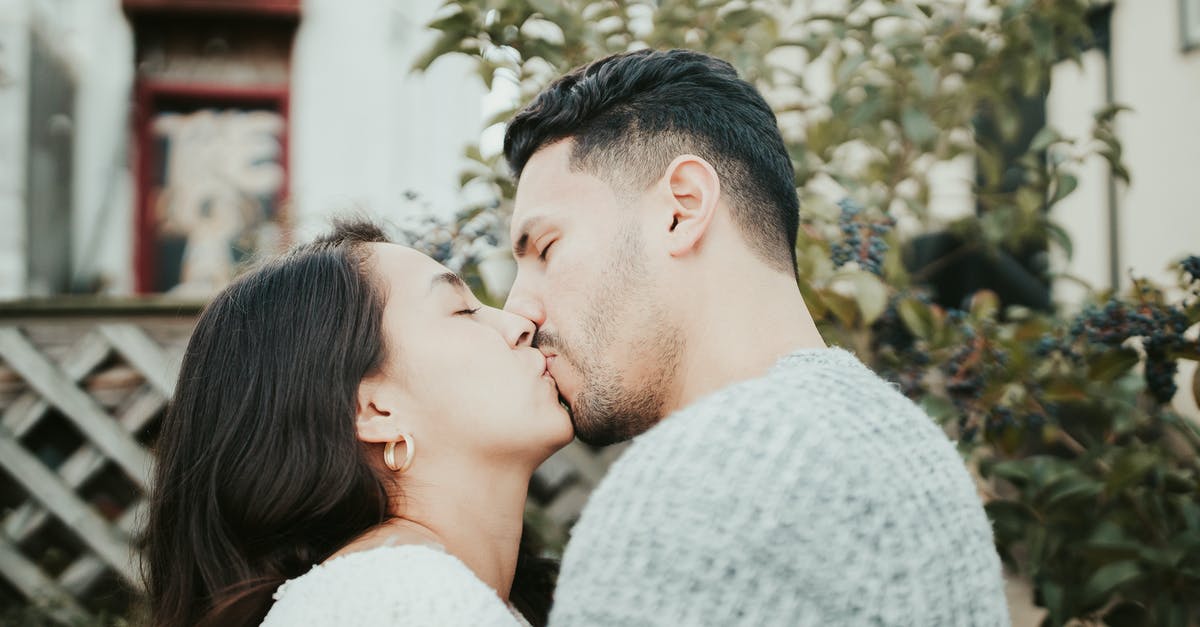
521	243
448	278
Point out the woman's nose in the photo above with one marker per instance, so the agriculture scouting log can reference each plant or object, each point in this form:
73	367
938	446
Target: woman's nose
519	330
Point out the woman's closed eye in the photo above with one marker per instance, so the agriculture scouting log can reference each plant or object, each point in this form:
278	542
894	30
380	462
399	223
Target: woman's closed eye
468	312
542	254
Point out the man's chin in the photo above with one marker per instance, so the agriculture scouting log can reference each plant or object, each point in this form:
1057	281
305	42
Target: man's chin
599	433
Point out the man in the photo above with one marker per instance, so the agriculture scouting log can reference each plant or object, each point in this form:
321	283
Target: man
775	481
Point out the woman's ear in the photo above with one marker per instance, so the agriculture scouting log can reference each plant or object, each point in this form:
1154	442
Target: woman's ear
695	191
376	418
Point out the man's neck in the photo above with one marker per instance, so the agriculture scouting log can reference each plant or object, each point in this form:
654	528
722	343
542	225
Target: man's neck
731	343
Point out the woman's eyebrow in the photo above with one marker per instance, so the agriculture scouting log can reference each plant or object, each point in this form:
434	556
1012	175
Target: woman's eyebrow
448	278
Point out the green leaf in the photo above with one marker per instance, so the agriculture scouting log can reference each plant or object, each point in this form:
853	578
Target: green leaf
1105	581
1070	491
1129	469
1064	391
449	42
1009	518
1112	364
918	126
916	317
1104	553
1109	113
1016	472
1126	614
848	65
1052	599
985	305
742	18
457	22
1013	9
812	299
1060	236
1043	139
926	77
938	408
871	294
1196	385
843	307
866	111
1064	187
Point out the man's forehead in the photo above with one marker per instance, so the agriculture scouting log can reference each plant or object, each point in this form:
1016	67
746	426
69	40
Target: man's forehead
545	184
550	159
522	225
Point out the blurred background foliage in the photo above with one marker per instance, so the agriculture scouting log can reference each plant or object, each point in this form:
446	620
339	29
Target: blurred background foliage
1091	478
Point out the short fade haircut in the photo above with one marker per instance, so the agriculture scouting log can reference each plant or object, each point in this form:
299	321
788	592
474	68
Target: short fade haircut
630	114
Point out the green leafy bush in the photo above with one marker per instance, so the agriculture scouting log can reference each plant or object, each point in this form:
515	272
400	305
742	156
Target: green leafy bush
1090	477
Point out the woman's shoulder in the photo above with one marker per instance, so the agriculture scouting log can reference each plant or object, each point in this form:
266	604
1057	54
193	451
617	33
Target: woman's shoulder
389	585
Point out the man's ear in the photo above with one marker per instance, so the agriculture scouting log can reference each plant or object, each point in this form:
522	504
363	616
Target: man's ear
695	191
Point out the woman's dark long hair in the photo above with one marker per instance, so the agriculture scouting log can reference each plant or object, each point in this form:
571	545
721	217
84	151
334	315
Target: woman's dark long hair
260	473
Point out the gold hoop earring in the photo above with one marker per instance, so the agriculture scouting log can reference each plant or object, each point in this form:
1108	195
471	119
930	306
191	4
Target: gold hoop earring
389	453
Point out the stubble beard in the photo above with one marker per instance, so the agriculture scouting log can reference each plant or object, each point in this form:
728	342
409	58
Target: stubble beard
615	401
612	407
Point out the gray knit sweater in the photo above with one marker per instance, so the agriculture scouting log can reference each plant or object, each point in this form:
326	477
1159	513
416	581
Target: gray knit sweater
814	495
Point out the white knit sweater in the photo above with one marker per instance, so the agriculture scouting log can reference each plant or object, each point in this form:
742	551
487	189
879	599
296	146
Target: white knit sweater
409	585
814	495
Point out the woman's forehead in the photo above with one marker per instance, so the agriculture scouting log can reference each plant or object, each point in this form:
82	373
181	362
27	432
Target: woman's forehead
406	272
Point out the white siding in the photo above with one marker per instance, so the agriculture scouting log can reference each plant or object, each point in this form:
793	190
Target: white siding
14	98
364	128
1159	213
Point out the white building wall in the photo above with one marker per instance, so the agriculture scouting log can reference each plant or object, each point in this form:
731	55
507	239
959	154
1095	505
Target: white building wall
14	99
1078	92
1159	217
365	129
103	213
1159	212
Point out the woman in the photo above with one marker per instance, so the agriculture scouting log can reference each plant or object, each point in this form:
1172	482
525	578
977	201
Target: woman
351	442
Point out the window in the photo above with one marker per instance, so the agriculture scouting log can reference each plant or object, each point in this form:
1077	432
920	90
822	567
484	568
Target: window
1189	18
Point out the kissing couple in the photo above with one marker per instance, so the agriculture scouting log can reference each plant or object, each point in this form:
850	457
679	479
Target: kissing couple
353	433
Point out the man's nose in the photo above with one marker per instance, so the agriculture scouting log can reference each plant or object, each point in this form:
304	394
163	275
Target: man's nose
525	304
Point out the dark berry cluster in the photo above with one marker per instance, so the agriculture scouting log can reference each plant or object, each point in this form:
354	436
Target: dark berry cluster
1047	345
1118	321
975	362
1000	419
1160	377
964	377
889	330
1160	327
1050	344
905	360
1191	267
862	239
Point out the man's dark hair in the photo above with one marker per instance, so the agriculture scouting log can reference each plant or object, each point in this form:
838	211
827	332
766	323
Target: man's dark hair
630	114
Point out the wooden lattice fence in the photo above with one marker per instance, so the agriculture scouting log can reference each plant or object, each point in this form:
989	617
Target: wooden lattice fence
81	395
